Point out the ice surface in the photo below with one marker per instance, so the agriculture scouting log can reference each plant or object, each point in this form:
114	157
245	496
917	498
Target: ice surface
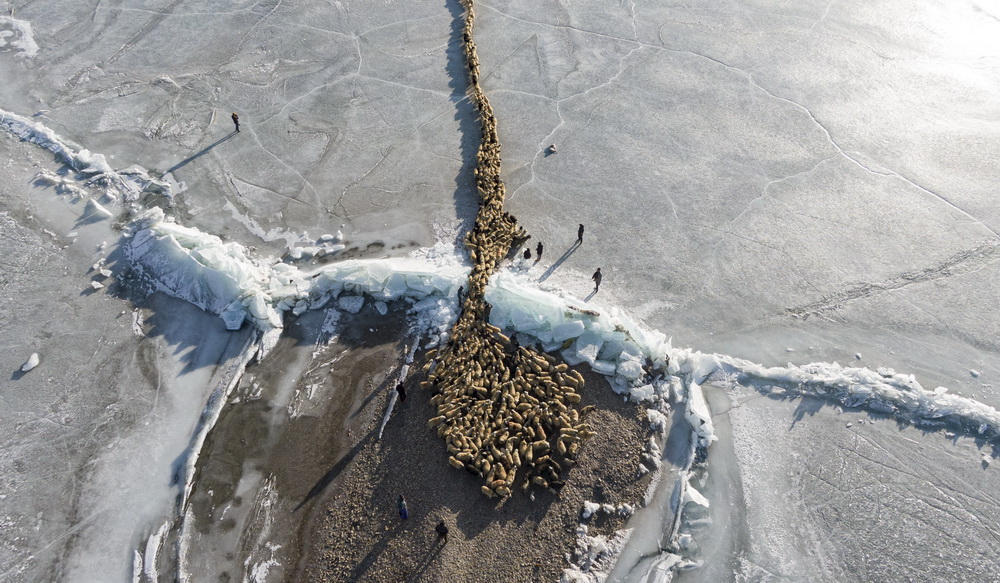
17	33
823	182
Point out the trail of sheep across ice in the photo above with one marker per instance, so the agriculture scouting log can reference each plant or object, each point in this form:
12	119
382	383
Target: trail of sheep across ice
226	279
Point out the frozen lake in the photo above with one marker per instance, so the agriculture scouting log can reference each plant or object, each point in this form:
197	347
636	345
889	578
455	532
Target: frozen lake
783	182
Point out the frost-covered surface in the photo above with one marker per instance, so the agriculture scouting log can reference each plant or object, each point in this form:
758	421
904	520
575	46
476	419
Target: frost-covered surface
94	168
17	34
593	556
824	183
610	341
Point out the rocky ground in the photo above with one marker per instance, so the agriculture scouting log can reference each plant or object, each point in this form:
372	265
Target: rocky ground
355	534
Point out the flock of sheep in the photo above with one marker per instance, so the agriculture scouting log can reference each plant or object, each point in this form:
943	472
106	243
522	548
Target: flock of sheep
506	412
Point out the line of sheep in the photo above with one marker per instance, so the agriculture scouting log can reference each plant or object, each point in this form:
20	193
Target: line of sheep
506	412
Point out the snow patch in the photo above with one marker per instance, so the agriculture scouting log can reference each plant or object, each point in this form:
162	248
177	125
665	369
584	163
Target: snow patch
17	34
31	363
593	557
94	168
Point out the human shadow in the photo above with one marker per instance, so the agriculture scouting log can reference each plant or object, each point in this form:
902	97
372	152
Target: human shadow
389	379
436	547
200	153
592	294
335	471
552	268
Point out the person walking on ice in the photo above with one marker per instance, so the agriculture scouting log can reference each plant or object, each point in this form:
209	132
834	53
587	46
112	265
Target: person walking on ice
401	506
538	252
597	277
236	122
579	234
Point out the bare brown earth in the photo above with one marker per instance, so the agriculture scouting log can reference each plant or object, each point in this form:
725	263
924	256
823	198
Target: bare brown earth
354	533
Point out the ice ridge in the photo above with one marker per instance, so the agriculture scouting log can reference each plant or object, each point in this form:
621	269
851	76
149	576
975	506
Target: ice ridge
93	167
224	278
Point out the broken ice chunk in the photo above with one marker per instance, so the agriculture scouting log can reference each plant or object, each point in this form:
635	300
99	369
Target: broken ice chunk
588	345
94	209
567	330
31	363
603	367
96	285
630	368
351	304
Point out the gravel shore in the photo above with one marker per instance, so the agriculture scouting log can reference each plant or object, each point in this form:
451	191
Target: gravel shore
353	531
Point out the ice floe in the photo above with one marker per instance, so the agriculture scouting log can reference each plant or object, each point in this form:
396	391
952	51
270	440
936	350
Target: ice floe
31	363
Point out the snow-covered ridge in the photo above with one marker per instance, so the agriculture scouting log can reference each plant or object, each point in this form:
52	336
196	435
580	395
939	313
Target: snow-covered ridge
128	183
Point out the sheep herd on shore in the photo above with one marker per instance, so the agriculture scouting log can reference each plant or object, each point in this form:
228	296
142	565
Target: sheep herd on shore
507	413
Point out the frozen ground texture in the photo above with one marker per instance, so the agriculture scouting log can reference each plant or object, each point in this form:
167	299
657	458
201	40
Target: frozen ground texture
798	182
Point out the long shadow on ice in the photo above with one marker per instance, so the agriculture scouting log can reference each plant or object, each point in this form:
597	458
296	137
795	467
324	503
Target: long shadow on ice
197	338
552	268
200	153
809	404
466	196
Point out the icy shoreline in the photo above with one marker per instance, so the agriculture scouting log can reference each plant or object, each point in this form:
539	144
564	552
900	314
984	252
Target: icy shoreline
227	279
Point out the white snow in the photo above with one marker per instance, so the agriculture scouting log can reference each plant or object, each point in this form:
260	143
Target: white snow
593	557
94	167
17	33
31	363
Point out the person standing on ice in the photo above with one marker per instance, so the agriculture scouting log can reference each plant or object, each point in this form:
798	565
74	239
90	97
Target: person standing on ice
236	122
527	254
597	277
538	252
579	234
401	506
